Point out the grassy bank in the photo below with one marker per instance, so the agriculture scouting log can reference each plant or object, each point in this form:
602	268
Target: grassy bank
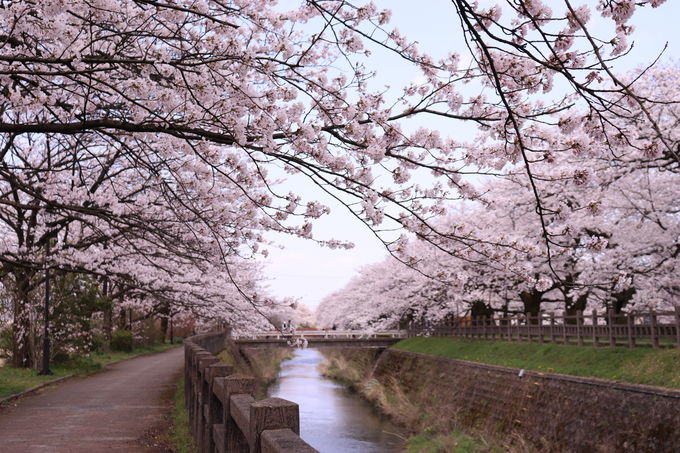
15	380
659	367
455	442
180	435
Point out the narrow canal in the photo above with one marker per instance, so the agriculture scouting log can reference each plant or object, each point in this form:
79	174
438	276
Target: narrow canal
332	419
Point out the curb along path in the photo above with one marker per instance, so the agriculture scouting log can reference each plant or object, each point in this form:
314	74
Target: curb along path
110	411
8	399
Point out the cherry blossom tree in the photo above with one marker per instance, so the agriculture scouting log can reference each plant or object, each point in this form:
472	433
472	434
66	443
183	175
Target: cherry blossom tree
142	141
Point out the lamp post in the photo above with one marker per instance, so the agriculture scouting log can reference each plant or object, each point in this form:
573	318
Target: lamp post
45	371
172	332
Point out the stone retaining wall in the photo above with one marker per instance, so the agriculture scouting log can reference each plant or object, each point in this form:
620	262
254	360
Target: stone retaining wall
547	411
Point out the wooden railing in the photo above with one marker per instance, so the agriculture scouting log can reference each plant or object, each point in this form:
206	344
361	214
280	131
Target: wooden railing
655	328
223	414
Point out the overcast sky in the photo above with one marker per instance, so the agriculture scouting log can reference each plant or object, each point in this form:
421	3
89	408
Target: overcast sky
308	272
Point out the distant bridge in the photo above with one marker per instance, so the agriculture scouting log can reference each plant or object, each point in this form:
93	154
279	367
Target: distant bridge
323	338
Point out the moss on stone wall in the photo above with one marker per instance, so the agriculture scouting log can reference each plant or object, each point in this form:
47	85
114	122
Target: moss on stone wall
496	406
543	411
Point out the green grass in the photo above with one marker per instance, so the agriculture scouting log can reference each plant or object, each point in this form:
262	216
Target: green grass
226	358
455	442
15	380
659	367
180	435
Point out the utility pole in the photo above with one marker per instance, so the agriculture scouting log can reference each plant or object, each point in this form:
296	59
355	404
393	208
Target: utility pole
46	332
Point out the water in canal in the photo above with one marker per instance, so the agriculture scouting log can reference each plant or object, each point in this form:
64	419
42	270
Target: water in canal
332	419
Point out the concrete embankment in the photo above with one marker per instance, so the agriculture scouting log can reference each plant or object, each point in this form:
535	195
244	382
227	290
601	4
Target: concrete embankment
261	363
539	411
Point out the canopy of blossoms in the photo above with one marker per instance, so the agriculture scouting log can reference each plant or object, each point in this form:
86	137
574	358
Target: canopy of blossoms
143	141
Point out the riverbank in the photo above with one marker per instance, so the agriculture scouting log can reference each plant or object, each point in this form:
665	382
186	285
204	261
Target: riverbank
658	367
333	419
354	369
459	406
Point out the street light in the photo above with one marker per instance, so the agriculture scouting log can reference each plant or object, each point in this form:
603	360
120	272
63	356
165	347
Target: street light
46	332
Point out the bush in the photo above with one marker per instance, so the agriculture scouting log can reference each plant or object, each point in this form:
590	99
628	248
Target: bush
98	342
6	340
121	340
61	357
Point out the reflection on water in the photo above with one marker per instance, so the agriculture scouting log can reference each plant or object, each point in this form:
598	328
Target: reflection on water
332	420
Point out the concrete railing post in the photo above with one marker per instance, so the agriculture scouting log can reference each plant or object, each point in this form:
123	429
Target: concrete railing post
189	351
203	388
234	440
194	401
284	441
271	413
214	413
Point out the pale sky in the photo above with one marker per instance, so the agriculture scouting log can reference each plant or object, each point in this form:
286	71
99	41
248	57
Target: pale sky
308	272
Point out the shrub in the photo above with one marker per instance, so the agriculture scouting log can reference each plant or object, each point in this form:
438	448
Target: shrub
121	340
98	342
6	340
60	357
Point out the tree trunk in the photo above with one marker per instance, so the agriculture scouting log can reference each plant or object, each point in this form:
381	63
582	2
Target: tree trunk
532	303
164	328
108	327
572	307
22	353
164	313
621	299
108	316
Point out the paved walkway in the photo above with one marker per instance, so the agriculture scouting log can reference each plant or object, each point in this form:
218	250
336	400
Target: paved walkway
111	411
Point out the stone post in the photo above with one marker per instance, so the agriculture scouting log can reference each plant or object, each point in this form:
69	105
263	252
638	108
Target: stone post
271	413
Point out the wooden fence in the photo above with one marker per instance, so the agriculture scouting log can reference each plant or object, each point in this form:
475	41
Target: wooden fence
632	329
223	414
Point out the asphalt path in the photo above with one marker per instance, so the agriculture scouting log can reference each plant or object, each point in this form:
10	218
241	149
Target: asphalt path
119	409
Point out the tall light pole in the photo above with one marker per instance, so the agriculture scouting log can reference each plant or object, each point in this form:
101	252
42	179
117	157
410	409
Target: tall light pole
172	332
46	332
